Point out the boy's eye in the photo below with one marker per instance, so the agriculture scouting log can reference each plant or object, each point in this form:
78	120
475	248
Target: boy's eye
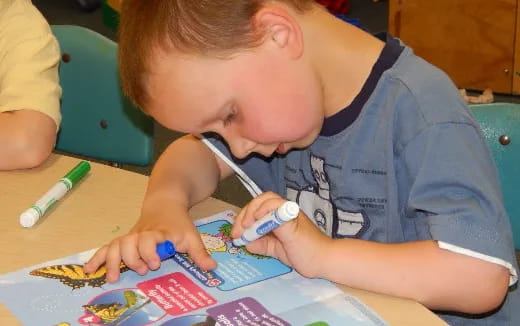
230	117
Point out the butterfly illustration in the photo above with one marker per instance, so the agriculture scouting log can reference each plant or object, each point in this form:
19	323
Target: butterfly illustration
73	275
107	312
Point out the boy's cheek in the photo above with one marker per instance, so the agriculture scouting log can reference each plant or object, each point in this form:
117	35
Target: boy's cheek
278	129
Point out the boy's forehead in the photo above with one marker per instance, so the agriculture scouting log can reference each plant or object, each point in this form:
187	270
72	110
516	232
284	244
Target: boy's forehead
198	80
174	62
180	82
181	72
162	59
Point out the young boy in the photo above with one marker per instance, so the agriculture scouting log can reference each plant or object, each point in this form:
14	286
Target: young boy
398	191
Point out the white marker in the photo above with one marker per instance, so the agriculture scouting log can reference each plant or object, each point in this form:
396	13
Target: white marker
33	214
288	211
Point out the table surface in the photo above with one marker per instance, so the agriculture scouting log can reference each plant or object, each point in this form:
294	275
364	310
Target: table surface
105	204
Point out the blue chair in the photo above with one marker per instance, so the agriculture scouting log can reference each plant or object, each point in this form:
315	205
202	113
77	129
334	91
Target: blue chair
500	123
98	120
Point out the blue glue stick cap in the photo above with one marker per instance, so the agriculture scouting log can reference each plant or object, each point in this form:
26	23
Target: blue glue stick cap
165	249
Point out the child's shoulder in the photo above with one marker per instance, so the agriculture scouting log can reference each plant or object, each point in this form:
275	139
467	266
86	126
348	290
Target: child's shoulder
22	17
419	76
423	87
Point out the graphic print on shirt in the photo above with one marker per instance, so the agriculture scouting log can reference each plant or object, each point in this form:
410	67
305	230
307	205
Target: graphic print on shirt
316	202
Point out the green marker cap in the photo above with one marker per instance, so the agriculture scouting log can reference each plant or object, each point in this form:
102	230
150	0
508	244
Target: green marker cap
78	172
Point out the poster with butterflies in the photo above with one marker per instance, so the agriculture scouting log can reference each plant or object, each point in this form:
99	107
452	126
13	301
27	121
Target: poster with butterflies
245	289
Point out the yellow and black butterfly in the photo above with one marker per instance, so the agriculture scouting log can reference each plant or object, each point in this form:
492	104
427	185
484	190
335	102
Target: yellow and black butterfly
107	312
73	275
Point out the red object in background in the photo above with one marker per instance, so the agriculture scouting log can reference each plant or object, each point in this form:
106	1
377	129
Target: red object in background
336	6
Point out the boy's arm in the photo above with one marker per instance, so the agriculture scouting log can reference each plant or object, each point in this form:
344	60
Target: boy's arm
186	173
420	270
438	278
27	138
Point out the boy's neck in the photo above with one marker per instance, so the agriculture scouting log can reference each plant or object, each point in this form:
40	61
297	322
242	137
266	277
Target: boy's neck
342	55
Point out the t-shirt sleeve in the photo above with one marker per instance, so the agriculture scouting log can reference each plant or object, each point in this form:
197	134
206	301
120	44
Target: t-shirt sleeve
455	195
29	57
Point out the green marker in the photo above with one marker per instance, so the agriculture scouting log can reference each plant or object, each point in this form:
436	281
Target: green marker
33	214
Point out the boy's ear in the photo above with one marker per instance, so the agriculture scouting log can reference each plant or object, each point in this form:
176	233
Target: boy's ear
279	26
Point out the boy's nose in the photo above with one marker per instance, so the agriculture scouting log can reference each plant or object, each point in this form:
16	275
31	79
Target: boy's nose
241	147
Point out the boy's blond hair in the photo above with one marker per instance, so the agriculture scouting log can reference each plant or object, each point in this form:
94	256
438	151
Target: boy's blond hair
191	26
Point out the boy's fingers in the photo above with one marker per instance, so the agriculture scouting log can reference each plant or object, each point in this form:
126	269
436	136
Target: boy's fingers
130	255
147	247
200	256
255	209
268	246
259	246
260	206
237	228
246	217
267	206
113	262
96	260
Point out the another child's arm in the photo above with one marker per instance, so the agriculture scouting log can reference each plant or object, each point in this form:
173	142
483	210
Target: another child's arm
27	138
438	278
29	88
186	173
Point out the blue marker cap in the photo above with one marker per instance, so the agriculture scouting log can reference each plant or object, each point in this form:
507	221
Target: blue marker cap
165	249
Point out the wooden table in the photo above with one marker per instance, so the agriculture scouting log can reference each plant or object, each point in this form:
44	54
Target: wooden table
105	204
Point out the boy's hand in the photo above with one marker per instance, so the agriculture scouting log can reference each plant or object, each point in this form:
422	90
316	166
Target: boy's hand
137	249
297	243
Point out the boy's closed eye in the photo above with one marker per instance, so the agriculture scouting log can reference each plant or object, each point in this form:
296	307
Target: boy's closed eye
230	117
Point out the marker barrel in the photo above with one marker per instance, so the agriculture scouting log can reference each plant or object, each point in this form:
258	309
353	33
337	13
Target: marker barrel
288	211
42	205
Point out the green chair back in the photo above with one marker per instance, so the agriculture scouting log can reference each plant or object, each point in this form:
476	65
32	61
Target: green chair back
500	123
98	120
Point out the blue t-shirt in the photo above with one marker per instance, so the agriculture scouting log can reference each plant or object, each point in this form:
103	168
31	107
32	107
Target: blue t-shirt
405	161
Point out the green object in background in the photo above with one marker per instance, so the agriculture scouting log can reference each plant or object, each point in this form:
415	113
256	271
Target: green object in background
500	123
110	16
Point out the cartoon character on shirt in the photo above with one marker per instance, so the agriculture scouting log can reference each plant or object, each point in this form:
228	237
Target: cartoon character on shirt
316	202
